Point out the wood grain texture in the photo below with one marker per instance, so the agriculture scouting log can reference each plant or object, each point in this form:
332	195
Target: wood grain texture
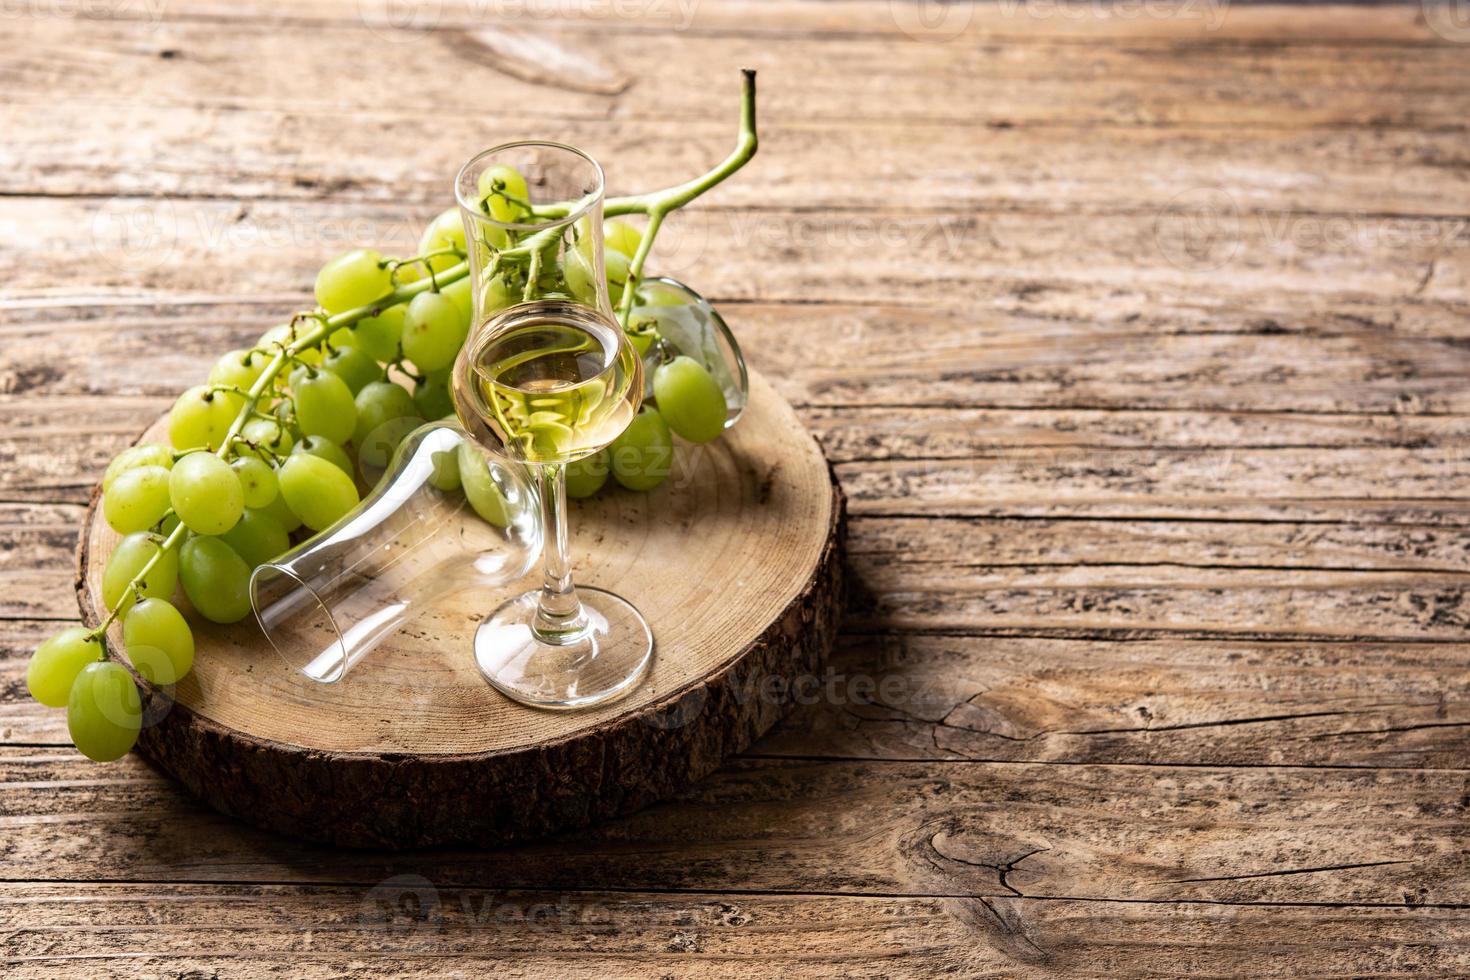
1137	340
408	927
356	933
1375	837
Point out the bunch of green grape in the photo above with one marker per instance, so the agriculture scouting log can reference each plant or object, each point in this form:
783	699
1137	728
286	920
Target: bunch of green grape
686	399
274	442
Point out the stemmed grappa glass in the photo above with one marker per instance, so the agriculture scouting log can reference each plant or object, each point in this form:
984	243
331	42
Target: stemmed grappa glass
547	377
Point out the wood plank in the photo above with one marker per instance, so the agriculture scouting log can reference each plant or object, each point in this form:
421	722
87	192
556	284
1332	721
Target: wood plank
909	696
37	560
989	698
1057	265
999	463
844	355
935	550
591	74
301	154
1369	836
23	720
127	930
1131	578
1265	25
1416	486
837	75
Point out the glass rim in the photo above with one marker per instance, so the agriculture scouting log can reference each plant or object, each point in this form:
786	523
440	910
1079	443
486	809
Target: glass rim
590	199
341	665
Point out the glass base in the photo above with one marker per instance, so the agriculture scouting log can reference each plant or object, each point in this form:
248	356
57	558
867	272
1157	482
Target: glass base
599	664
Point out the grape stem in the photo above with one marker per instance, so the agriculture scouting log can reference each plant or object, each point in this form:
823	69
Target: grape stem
659	203
655	204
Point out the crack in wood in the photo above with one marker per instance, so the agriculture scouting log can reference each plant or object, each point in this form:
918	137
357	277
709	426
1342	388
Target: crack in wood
1002	869
1290	871
1261	719
1386	731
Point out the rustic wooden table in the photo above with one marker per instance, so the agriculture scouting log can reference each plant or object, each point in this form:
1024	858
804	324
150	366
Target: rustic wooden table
1136	333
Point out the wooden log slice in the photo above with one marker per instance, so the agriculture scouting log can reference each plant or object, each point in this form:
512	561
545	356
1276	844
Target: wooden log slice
735	561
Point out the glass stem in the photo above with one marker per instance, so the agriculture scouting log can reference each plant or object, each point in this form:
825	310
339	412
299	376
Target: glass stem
559	615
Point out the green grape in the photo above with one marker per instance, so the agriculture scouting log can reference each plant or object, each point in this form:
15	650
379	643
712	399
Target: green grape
552	283
271	436
432	399
159	641
57	662
104	712
689	398
216	580
352	279
433	331
619	236
378	336
127	560
658	294
327	450
586	476
241	368
374	454
503	191
280	512
324	406
643	454
445	231
446	470
642	334
257	480
460	294
206	493
200	418
356	367
496	295
617	266
143	454
257	538
577	270
377	403
285	334
138	499
479	486
316	490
